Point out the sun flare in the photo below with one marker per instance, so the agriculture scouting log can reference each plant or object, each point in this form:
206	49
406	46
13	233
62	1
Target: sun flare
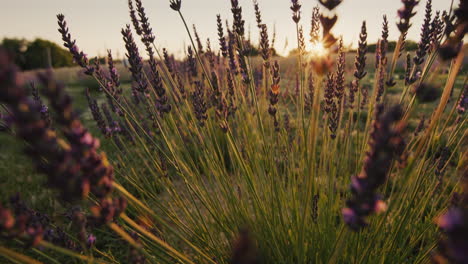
317	49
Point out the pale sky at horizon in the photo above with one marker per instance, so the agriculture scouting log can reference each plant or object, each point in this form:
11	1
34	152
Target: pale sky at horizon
96	24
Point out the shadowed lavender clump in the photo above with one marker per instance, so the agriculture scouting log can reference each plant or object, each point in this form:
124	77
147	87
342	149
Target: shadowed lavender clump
32	226
20	225
244	250
72	163
426	93
386	143
453	246
74	166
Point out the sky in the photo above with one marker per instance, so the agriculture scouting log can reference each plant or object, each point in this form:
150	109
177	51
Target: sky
96	24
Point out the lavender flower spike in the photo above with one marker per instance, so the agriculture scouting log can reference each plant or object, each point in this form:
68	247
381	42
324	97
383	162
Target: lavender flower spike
78	56
175	4
405	14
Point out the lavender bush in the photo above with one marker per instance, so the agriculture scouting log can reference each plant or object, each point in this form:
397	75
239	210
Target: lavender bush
216	160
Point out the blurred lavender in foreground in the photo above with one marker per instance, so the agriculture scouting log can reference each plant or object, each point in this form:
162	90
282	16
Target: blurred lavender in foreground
386	143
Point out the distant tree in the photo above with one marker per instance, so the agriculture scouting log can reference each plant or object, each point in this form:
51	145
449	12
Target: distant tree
409	46
102	60
16	47
42	52
37	54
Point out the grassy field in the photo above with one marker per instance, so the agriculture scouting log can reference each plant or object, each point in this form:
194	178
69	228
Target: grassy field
17	173
238	159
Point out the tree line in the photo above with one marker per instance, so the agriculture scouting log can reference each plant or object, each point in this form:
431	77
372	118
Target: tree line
37	54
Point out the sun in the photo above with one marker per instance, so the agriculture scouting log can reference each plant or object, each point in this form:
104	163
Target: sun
317	49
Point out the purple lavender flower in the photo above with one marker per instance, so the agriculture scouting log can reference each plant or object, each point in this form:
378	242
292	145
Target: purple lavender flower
265	45
425	41
274	94
78	56
199	103
91	240
405	14
463	102
197	40
453	248
21	224
456	27
96	113
386	143
72	163
360	61
135	61
175	4
232	56
258	14
133	17
237	15
191	61
221	38
296	8
340	72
